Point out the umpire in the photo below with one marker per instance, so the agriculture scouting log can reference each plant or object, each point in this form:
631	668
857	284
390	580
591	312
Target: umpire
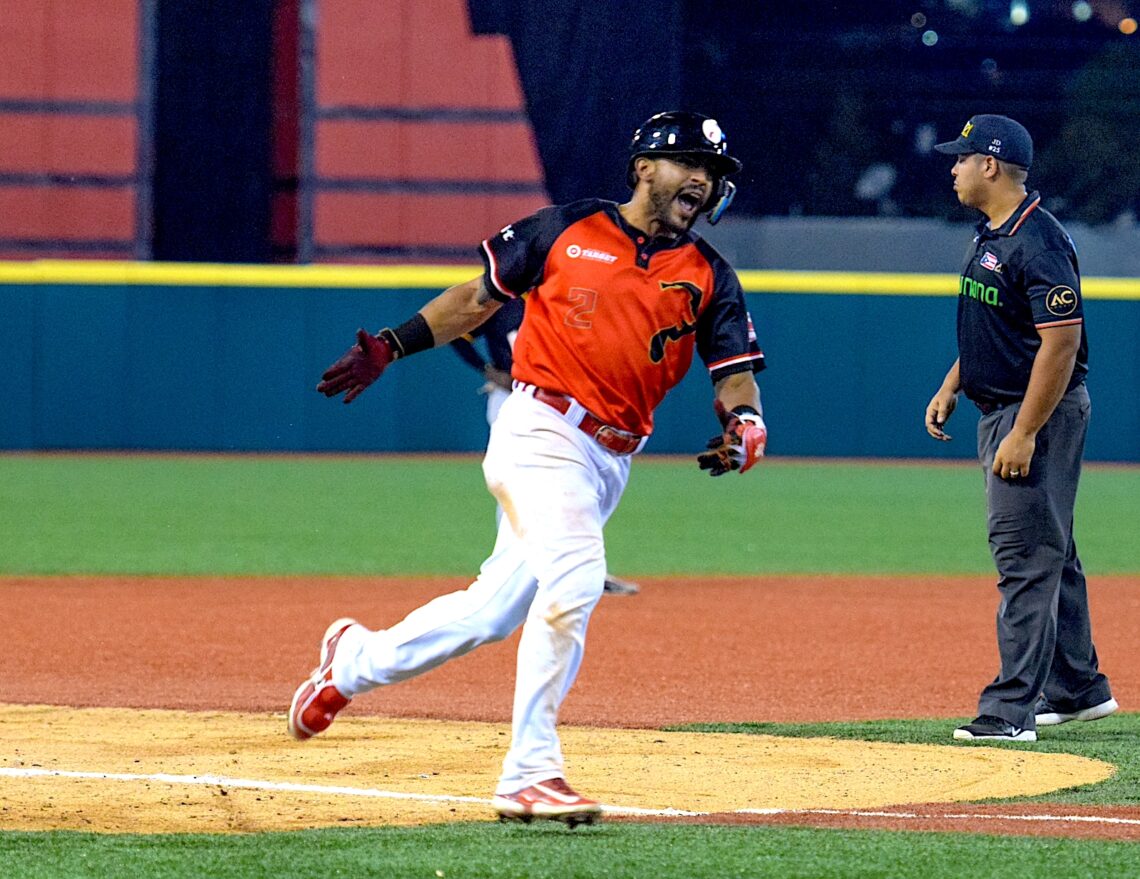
1022	360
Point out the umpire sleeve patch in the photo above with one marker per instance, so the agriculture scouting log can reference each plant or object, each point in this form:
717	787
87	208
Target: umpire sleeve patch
1061	301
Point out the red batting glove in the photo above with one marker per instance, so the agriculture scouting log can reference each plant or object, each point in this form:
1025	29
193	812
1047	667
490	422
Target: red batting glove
741	444
360	366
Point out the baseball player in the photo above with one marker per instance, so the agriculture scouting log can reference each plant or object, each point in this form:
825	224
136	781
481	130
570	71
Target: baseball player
1023	357
619	297
498	335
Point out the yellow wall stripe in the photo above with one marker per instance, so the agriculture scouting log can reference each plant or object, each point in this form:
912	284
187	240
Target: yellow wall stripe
231	275
438	277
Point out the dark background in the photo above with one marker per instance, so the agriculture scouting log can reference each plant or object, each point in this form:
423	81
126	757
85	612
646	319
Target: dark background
833	107
212	131
833	89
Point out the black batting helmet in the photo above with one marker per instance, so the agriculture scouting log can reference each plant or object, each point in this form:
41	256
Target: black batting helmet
678	132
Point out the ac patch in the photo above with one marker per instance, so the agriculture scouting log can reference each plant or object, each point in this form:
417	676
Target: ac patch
1061	301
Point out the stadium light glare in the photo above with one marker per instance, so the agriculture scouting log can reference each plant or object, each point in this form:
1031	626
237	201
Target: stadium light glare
1018	12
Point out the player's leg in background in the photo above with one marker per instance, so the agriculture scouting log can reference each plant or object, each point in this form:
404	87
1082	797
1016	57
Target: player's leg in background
496	396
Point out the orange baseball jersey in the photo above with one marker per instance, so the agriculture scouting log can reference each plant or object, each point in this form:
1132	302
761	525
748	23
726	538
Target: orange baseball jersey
613	317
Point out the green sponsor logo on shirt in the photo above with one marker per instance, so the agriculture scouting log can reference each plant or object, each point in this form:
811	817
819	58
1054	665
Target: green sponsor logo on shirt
978	290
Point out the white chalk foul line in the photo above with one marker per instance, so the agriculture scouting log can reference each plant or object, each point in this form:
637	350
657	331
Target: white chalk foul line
227	781
295	787
953	816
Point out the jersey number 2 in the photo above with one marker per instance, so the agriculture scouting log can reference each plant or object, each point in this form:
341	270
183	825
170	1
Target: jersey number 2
582	303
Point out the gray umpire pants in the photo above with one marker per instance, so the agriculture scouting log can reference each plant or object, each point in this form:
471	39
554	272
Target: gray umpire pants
1043	630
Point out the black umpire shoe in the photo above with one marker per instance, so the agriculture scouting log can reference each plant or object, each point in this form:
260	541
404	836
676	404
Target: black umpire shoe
1049	714
994	729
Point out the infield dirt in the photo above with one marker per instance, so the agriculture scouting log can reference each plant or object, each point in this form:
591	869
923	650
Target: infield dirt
189	677
175	771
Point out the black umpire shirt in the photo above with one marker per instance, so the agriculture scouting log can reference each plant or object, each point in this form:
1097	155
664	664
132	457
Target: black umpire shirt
1016	280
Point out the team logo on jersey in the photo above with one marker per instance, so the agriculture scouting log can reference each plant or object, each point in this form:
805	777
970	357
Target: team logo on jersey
688	322
507	232
990	261
575	252
1061	301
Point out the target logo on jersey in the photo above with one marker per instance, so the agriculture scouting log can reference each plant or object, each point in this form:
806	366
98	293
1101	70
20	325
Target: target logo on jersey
575	251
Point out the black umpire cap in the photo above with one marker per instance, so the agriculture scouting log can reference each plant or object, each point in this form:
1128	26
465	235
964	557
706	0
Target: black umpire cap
997	136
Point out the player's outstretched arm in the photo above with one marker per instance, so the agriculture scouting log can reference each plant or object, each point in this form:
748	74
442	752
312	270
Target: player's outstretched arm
744	436
458	310
452	313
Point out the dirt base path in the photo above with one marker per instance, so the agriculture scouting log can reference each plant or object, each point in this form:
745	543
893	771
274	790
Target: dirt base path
774	649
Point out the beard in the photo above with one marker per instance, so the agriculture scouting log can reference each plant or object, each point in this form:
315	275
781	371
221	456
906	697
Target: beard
666	213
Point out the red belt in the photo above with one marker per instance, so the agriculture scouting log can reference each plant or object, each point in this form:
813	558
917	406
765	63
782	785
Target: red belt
620	442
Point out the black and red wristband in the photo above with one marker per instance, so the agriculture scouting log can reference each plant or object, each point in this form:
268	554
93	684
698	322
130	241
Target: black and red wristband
410	337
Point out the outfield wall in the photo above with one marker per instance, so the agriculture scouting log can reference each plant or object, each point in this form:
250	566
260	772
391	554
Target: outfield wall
225	358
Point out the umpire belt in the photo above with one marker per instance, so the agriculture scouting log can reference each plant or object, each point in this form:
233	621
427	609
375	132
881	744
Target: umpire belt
614	439
988	406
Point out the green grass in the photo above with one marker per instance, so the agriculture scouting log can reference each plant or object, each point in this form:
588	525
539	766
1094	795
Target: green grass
1113	740
380	515
112	514
607	851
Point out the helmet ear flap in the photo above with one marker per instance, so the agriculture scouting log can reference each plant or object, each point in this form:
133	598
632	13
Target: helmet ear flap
721	198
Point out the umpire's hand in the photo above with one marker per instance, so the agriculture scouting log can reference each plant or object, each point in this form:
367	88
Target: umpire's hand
938	412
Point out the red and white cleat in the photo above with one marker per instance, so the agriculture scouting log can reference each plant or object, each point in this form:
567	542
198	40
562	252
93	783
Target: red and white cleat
316	702
552	800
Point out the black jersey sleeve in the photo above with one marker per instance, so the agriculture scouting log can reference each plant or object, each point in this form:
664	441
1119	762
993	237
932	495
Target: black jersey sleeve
726	336
1054	289
515	257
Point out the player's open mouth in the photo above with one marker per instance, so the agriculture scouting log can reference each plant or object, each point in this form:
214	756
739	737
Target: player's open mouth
689	201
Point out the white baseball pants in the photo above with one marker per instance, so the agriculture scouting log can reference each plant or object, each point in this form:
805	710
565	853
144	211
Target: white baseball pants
557	488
